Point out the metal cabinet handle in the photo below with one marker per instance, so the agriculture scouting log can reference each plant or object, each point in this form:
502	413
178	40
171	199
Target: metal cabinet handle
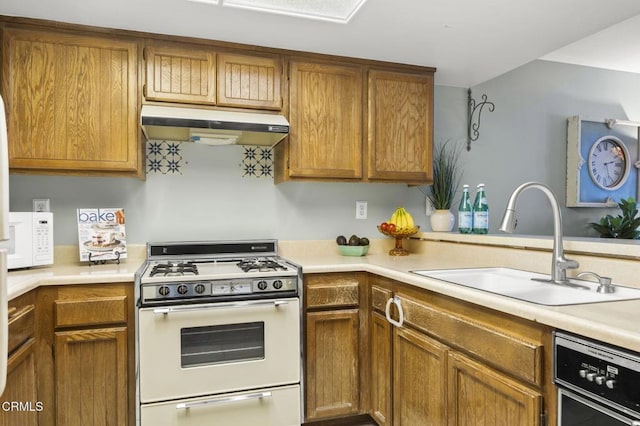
396	301
223	400
212	306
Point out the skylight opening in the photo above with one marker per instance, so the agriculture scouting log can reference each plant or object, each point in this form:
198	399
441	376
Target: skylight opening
340	11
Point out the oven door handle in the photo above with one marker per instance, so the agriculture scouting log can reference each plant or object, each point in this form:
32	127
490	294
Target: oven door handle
223	400
188	308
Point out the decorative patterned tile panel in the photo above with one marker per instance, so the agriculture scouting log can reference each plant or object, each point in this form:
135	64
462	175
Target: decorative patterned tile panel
164	157
257	162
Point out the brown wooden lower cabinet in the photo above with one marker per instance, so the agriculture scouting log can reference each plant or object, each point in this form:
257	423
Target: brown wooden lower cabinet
434	370
419	379
332	366
21	389
85	348
380	379
91	377
335	336
478	395
19	403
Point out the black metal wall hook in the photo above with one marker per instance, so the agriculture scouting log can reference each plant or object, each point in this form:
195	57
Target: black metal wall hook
473	129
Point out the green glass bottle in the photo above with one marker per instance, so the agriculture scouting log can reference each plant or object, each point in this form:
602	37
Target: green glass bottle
480	212
465	212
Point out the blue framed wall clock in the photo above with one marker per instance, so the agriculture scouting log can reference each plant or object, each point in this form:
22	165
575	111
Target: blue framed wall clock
602	162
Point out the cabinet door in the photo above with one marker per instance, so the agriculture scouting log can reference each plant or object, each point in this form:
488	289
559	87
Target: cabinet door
91	377
180	74
400	128
325	139
332	363
71	102
419	379
380	380
480	395
249	81
21	388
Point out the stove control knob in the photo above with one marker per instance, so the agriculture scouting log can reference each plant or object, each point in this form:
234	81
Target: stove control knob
164	290
199	288
591	376
600	380
277	284
262	285
610	383
583	373
183	289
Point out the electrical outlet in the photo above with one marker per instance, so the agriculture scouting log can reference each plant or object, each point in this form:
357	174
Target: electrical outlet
41	205
361	209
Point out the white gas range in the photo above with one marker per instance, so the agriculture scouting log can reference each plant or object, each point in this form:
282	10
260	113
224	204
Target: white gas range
218	331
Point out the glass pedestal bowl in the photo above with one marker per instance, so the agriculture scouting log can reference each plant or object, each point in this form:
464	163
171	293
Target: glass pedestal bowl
398	250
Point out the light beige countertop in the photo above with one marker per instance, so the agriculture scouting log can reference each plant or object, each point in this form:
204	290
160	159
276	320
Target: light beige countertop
613	322
68	270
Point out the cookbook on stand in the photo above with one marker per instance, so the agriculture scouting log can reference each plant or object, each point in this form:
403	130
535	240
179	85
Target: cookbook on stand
101	234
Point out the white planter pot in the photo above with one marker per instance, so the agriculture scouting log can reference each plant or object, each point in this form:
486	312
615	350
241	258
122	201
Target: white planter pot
442	221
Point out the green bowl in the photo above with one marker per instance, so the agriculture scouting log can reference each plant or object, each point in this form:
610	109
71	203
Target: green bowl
353	250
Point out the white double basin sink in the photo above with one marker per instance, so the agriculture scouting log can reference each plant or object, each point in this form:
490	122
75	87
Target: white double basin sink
520	284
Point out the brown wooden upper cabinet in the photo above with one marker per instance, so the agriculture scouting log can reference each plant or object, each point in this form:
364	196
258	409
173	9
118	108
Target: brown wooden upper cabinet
201	75
325	139
329	104
400	126
180	74
71	102
250	81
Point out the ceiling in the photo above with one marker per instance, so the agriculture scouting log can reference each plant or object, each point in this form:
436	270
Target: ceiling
616	48
468	41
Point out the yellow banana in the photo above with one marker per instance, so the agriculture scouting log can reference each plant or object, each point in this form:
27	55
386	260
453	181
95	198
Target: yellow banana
403	220
409	219
394	218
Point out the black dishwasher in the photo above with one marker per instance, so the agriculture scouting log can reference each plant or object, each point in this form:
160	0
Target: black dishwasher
598	384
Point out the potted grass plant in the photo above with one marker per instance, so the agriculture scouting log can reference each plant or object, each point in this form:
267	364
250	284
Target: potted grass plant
446	180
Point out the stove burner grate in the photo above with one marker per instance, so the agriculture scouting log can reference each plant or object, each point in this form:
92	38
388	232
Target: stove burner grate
260	265
173	269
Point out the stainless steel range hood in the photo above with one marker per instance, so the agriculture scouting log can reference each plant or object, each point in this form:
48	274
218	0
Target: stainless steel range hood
212	127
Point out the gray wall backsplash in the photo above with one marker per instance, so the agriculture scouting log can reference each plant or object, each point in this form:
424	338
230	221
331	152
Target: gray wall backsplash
210	196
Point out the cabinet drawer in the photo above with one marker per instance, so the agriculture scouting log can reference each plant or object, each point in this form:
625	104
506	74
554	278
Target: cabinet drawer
516	355
21	326
267	407
106	310
325	291
379	297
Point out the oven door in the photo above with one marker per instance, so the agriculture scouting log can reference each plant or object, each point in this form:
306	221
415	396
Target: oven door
196	350
576	410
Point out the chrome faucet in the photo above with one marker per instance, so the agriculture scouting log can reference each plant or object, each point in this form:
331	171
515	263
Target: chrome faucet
559	264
